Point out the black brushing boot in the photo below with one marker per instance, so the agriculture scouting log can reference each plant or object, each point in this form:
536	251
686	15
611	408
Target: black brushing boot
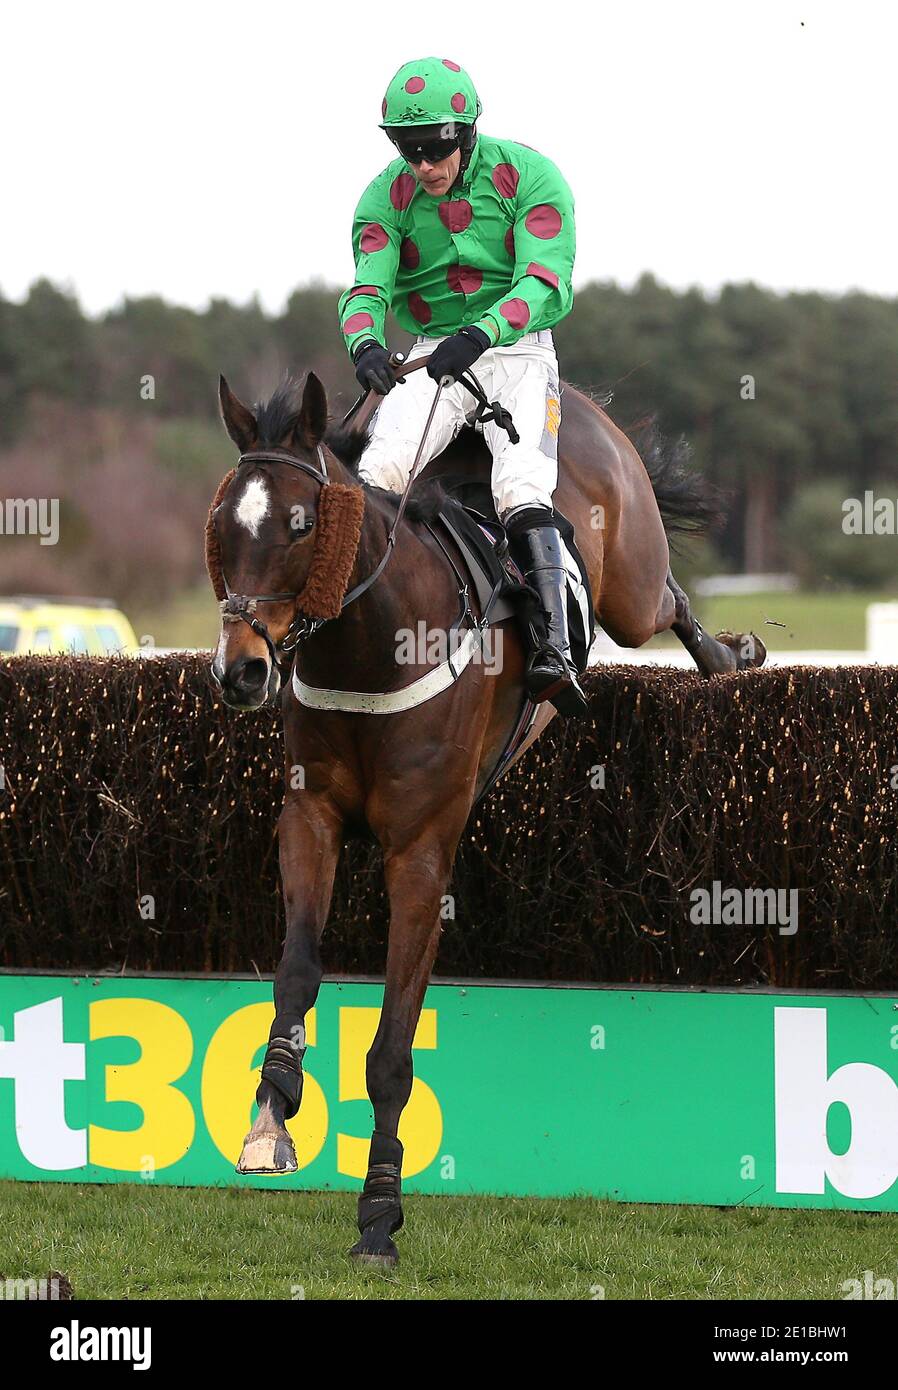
535	543
380	1205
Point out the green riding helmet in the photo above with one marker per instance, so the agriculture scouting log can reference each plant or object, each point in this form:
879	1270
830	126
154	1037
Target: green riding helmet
430	91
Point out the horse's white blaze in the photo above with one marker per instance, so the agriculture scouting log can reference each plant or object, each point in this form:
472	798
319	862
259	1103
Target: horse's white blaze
253	506
220	659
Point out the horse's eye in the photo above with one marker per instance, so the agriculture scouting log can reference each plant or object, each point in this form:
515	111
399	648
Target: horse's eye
301	523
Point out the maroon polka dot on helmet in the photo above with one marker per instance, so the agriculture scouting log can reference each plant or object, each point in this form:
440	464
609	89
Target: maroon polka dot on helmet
356	322
409	255
383	107
453	67
506	178
542	272
419	308
464	279
402	190
543	221
459	102
456	214
414	84
516	311
373	238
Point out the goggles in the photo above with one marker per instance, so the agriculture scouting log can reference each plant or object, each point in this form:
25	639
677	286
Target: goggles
433	143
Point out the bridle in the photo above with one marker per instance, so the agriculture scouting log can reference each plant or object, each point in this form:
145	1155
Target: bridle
243	606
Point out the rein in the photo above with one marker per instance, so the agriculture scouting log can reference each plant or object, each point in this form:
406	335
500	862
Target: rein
361	410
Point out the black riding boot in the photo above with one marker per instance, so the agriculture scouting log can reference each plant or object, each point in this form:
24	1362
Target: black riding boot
551	675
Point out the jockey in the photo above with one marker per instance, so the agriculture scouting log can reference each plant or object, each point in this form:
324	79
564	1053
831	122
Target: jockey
470	241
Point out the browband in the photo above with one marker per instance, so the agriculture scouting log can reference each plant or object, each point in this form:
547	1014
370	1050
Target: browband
284	456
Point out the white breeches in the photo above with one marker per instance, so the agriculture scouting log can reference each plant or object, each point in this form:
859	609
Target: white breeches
522	377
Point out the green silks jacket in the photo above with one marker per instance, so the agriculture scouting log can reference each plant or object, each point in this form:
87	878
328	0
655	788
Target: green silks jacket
497	253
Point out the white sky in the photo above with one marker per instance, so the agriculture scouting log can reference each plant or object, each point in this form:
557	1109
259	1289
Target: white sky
192	149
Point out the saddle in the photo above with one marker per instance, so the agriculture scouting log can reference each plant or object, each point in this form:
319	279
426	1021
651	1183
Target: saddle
501	589
467	514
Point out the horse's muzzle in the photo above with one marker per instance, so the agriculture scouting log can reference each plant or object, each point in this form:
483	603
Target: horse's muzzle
247	682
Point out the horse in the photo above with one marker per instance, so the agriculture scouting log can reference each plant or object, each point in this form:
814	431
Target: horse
309	565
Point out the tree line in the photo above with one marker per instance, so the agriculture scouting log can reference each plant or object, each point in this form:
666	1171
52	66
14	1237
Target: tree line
790	402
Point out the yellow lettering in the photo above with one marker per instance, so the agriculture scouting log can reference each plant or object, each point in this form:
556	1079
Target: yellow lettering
166	1045
230	1081
421	1125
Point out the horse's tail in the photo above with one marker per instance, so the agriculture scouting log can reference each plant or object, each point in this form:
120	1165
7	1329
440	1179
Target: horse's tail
688	503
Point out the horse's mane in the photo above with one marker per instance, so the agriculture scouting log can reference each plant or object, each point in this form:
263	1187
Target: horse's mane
347	444
427	497
278	417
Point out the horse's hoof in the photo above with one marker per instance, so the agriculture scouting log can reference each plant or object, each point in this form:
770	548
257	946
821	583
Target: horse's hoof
387	1258
749	650
269	1152
375	1246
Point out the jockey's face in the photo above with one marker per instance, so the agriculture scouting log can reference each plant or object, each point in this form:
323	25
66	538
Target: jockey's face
437	179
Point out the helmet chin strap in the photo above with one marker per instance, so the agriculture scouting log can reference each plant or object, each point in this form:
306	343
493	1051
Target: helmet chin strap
467	149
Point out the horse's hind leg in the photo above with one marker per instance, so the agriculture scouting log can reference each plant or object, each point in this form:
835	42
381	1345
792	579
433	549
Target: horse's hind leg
416	880
309	833
713	656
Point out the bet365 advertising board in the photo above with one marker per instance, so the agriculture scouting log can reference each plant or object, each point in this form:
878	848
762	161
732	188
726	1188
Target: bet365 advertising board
636	1095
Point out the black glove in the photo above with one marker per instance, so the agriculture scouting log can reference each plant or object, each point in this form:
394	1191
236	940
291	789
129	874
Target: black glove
455	355
373	370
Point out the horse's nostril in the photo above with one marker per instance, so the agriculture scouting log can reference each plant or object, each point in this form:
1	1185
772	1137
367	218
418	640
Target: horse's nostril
252	675
244	682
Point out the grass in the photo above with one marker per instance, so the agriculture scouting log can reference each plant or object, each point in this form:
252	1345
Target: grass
818	621
834	621
136	1242
190	619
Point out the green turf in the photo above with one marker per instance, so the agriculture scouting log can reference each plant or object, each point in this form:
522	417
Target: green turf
821	621
140	1242
810	622
190	619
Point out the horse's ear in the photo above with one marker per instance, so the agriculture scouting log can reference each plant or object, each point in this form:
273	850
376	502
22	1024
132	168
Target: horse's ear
312	413
239	420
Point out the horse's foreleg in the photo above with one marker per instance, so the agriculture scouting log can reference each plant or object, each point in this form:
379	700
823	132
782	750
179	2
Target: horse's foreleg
713	656
416	880
309	834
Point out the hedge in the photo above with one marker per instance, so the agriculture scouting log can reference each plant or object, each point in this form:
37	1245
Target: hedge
128	780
